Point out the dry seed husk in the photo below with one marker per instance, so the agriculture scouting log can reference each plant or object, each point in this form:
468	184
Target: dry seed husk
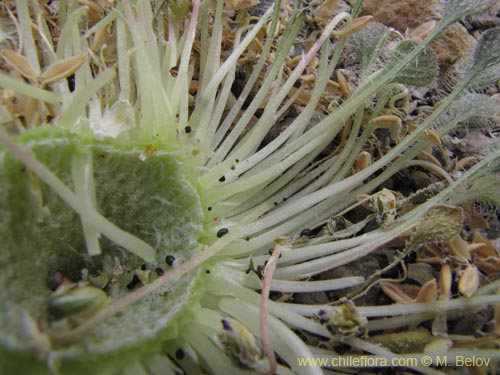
428	292
61	69
19	63
458	247
469	281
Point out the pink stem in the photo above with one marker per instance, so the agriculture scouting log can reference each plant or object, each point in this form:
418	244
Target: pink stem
264	297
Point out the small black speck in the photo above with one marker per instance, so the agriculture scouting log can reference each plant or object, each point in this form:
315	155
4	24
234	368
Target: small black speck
410	257
237	160
179	354
222	179
170	259
143	267
285	199
207	272
248	271
270	251
222	232
159	271
233	167
209	208
135	281
187	129
71	82
306	232
247	239
275	203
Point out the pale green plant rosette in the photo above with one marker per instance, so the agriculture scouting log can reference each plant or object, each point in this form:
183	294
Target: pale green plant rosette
171	198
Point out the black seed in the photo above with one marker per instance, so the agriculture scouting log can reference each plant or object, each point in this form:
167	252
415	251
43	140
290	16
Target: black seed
179	354
237	160
306	232
143	267
207	272
275	203
222	179
222	232
135	281
248	271
187	129
170	259
159	271
209	208
247	239
285	199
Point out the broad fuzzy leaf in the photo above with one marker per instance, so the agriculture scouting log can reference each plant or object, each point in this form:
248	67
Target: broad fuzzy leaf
459	9
42	236
368	44
420	71
473	107
488	49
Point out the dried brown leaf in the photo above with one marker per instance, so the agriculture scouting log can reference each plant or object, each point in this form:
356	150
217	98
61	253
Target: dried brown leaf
440	224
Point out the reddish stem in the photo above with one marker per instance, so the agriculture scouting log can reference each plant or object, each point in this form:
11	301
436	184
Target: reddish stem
264	297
